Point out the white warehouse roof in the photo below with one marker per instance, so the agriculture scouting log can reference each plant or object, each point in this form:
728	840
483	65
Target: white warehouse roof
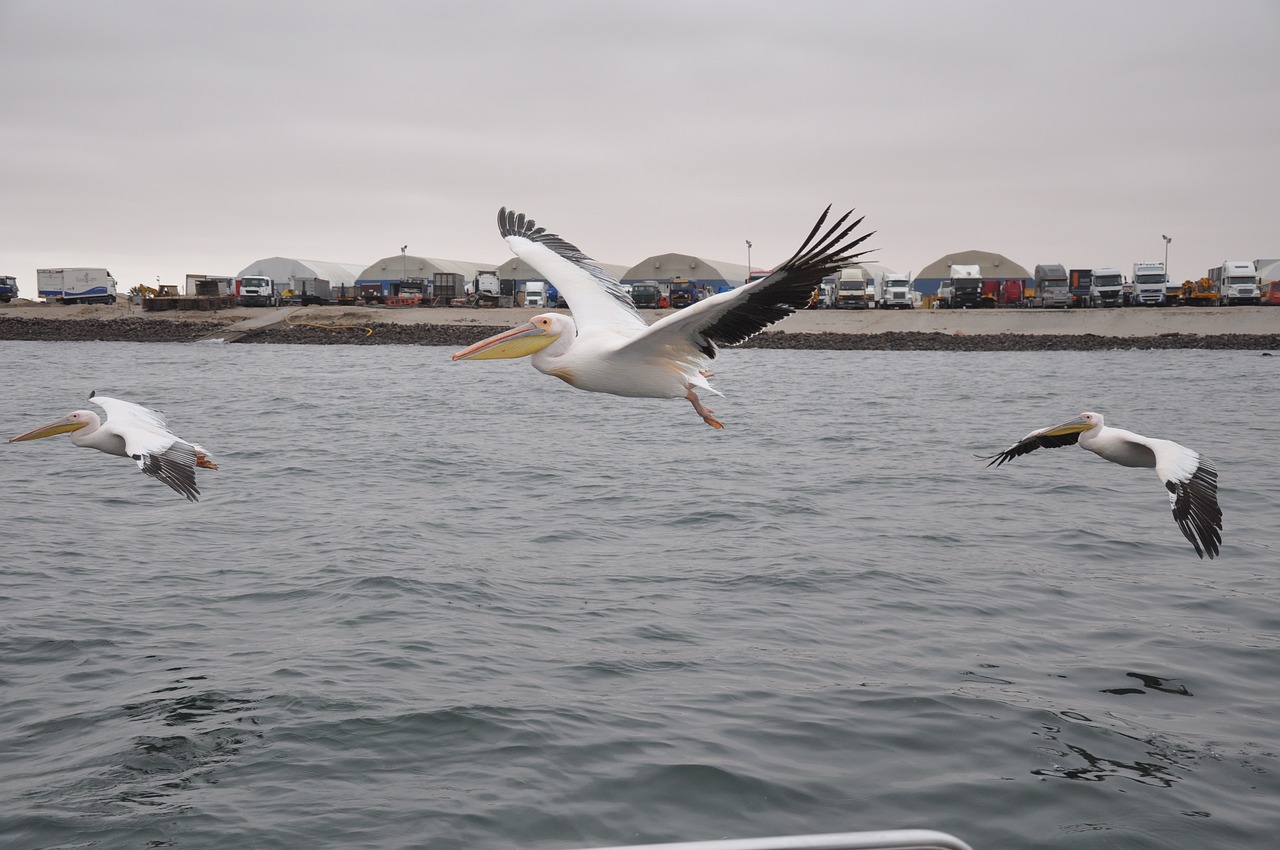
405	266
668	266
284	269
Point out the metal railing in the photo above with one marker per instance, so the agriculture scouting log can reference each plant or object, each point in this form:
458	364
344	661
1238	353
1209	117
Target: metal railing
891	839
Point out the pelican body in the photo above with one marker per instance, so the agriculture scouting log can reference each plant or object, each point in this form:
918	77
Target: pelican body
1190	478
135	432
606	347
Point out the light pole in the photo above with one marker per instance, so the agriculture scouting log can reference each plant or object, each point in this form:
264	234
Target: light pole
404	264
748	280
1167	240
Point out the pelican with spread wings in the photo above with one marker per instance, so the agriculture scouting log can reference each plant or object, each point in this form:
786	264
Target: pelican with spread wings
606	347
136	432
1190	477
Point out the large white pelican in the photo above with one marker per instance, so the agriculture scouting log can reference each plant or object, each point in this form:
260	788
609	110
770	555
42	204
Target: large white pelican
132	431
1190	478
607	348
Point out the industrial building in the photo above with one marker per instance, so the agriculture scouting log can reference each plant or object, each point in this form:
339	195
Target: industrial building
712	275
992	267
516	269
392	273
284	270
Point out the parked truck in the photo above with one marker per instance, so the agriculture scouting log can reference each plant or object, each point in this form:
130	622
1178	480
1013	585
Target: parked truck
683	293
485	290
8	288
1051	287
77	286
1150	285
856	289
1269	292
1011	293
257	291
1106	288
825	295
962	289
1237	282
896	292
307	292
1080	281
647	294
1198	293
535	293
989	293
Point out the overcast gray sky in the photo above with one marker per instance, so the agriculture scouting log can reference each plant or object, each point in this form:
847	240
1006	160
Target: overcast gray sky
164	137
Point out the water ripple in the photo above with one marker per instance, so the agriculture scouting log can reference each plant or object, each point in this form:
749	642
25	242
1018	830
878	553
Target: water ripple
573	620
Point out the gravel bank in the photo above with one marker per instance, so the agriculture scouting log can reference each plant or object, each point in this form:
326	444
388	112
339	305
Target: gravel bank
148	330
105	330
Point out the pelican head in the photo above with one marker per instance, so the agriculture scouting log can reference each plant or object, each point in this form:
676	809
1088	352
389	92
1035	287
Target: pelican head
521	341
73	421
1084	422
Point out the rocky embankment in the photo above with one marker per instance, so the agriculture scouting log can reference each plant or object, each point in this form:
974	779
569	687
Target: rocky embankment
134	329
908	341
128	329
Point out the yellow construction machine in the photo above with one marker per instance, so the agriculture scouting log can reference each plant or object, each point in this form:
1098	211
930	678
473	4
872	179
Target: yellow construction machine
1198	293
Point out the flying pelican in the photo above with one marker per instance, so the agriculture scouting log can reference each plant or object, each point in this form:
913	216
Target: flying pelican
136	432
607	348
1190	477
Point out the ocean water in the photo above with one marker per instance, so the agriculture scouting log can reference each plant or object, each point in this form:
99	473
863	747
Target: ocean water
437	605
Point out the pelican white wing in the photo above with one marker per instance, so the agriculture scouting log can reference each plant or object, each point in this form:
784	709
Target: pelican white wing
596	298
1192	482
158	452
1190	478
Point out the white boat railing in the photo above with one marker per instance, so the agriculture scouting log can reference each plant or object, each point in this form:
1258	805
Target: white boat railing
890	839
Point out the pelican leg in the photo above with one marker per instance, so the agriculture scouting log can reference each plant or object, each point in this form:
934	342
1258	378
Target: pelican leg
707	416
203	462
706	374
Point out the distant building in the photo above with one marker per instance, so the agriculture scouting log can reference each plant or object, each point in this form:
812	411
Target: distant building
283	270
713	275
390	272
516	269
992	266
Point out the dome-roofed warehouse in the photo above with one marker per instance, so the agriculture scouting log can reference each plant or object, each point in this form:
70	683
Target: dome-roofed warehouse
714	275
284	270
521	272
991	266
390	272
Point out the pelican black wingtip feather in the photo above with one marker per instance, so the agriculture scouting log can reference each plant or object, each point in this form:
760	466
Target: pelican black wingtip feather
1030	444
792	285
175	467
1195	508
512	223
828	249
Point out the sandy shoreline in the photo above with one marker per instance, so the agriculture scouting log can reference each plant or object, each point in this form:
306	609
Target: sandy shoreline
1014	328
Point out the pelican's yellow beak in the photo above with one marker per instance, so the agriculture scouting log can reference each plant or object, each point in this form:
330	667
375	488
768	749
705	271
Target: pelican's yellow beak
1075	426
62	426
520	341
